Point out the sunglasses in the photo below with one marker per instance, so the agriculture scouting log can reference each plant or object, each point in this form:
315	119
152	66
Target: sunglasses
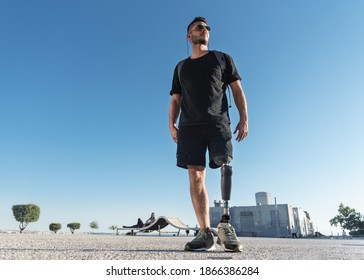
201	27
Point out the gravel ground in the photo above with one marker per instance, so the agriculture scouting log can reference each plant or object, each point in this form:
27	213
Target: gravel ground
110	247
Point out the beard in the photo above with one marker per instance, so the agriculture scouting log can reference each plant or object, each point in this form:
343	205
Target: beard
199	40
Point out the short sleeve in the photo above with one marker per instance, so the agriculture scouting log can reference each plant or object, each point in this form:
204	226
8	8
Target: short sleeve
232	73
176	85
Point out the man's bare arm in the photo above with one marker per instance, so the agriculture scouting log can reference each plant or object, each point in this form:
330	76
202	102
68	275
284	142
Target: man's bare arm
241	105
174	110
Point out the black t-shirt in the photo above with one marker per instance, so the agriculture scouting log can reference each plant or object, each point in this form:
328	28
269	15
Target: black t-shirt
203	90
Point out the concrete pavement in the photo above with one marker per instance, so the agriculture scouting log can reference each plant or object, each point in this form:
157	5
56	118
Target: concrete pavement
149	247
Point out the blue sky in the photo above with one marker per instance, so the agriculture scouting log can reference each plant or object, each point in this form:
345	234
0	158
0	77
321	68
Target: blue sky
84	96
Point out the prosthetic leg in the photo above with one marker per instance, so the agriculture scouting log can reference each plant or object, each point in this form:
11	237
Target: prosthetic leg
225	231
226	174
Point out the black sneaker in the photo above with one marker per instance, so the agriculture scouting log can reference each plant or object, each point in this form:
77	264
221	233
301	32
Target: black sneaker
227	238
204	241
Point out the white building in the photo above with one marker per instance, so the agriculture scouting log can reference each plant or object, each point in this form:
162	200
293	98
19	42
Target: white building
264	219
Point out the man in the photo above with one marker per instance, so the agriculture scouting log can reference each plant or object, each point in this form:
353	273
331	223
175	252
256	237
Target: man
294	232
200	102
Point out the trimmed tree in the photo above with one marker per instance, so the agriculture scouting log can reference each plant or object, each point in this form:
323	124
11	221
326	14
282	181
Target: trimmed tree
94	225
55	227
25	214
73	227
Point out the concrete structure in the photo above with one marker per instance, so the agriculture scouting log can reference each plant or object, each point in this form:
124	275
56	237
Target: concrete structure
264	219
262	198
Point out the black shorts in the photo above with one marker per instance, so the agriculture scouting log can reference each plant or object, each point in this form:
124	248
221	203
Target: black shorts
195	140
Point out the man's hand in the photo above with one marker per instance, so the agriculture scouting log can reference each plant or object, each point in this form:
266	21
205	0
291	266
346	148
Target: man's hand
174	133
242	129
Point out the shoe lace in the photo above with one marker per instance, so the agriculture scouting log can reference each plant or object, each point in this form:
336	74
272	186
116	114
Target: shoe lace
201	234
229	233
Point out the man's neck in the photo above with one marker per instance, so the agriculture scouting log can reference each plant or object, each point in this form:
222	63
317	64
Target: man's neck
199	50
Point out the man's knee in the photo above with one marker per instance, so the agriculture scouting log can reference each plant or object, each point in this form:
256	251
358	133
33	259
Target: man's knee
196	174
